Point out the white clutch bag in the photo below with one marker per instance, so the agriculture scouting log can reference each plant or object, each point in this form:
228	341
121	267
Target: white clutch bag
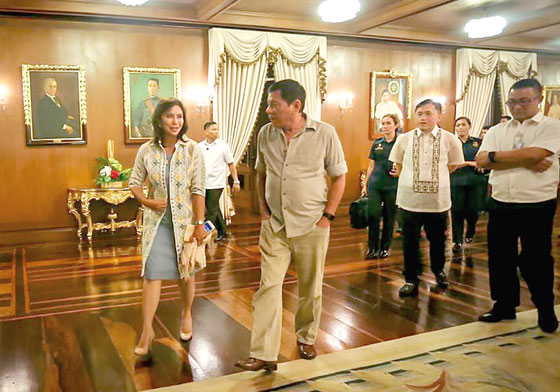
193	256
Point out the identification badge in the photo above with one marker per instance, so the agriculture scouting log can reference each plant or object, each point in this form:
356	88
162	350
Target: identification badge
518	141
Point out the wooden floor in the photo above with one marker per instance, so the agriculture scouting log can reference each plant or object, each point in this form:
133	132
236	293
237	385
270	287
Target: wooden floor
70	314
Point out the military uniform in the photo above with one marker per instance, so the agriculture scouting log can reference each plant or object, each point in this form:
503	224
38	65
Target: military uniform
142	117
382	194
467	192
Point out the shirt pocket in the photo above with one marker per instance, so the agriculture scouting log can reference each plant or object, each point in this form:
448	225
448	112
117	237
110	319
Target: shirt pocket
309	163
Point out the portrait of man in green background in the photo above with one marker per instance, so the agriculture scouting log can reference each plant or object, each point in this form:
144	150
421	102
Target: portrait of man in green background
145	88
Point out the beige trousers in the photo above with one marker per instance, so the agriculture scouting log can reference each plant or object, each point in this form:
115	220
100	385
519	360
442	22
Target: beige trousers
308	253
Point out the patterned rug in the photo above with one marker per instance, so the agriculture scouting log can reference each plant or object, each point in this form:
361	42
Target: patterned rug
509	356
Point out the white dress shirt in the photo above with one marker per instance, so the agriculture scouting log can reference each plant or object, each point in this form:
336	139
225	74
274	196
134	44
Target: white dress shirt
521	185
424	184
217	156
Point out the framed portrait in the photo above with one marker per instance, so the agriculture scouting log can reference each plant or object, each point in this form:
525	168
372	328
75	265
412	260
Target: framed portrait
389	93
54	104
143	89
550	105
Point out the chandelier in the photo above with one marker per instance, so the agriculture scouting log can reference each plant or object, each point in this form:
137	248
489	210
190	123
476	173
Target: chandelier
336	11
132	2
485	27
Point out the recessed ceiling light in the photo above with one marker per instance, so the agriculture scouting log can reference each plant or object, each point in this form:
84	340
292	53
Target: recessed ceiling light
336	11
132	2
485	27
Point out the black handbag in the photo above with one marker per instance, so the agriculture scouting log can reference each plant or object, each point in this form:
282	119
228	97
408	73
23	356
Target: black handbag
359	213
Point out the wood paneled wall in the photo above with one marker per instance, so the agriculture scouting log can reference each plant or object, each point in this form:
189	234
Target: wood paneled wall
549	69
35	179
349	65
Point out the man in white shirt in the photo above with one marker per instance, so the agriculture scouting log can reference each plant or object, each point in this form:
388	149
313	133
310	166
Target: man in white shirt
424	158
522	155
218	157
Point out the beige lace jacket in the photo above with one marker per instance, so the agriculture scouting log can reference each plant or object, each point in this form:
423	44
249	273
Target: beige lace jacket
187	176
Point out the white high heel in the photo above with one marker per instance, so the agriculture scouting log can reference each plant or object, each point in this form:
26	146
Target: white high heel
185	337
141	351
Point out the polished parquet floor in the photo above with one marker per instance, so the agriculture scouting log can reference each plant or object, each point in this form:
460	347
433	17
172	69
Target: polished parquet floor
70	314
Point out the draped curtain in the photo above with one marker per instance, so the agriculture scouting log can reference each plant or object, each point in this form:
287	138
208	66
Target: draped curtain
296	57
513	66
237	66
477	70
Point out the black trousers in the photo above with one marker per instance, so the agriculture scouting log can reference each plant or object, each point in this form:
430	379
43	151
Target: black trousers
532	223
213	212
381	205
466	202
435	224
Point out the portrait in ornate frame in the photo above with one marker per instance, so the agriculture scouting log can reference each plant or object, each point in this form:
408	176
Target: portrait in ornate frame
389	92
143	89
54	104
550	104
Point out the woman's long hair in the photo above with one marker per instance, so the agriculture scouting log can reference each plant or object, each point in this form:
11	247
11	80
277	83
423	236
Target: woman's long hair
163	106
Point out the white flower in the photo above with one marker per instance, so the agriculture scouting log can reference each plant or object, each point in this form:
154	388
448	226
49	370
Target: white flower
106	171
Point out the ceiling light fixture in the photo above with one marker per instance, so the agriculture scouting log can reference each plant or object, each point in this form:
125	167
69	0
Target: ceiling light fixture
132	2
336	11
485	27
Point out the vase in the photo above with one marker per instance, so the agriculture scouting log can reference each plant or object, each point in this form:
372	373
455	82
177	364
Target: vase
112	184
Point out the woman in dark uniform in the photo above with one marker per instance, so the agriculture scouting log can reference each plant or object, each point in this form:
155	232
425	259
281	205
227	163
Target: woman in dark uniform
382	189
467	187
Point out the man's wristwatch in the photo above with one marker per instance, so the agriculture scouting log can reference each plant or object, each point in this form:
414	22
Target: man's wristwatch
328	216
492	156
198	222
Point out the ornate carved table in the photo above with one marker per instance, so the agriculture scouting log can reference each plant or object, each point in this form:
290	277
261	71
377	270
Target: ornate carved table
79	205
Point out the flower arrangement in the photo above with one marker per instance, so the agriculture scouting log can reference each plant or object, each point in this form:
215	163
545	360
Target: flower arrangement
111	171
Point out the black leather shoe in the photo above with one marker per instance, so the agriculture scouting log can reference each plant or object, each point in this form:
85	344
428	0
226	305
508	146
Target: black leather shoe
548	321
254	364
306	351
383	254
495	317
468	240
457	248
372	254
442	281
409	289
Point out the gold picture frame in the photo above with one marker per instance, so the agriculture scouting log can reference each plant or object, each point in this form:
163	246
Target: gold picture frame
550	105
140	104
393	90
54	104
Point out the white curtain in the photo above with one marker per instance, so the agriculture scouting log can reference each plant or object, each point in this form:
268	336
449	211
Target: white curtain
298	60
477	70
237	66
476	75
513	67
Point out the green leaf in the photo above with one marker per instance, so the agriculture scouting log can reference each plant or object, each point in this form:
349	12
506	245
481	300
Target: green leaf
103	162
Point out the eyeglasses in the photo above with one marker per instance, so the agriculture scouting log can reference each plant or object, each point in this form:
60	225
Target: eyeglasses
522	101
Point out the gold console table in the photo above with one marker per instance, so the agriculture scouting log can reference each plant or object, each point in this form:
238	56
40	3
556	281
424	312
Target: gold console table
113	196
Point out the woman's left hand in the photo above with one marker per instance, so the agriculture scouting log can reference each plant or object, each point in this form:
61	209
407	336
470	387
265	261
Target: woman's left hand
198	234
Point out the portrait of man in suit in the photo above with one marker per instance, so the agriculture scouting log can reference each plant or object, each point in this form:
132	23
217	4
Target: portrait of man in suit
54	104
52	119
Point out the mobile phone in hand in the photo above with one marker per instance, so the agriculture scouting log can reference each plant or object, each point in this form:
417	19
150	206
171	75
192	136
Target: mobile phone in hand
208	226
